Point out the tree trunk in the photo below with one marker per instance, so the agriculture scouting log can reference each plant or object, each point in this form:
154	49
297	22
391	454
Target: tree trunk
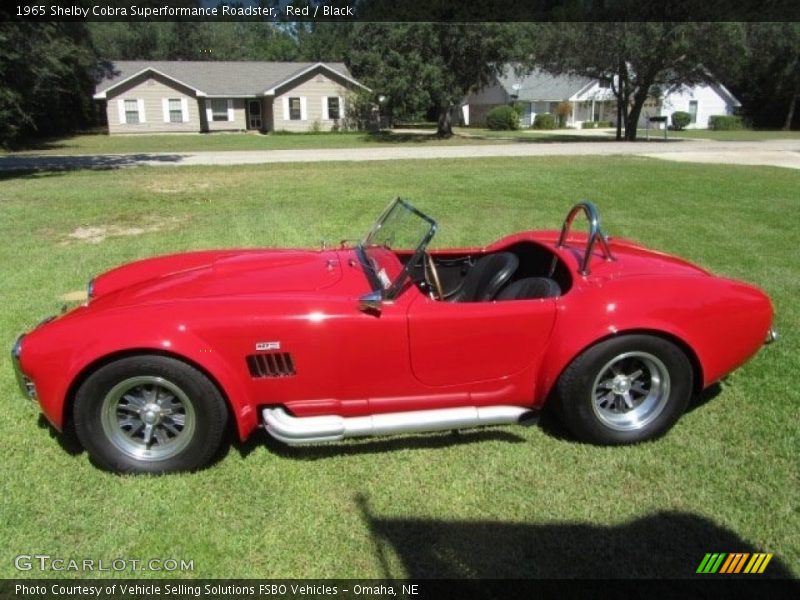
632	121
790	115
444	128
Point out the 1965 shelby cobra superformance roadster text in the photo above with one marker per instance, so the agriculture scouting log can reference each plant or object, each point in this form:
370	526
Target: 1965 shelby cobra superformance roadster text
385	337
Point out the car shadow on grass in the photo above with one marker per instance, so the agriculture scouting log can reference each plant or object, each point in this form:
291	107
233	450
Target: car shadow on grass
667	544
374	445
67	439
704	397
554	428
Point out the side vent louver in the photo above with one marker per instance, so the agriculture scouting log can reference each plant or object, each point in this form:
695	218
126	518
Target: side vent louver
271	364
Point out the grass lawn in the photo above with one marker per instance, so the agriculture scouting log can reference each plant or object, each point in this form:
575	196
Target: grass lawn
502	502
222	142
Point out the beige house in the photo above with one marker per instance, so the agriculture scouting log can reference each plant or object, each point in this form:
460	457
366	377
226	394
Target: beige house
202	96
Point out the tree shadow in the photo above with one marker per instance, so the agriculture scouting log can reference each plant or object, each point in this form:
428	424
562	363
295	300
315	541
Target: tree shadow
375	445
393	137
665	545
16	166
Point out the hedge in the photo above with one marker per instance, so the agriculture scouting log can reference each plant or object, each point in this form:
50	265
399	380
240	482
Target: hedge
544	121
725	122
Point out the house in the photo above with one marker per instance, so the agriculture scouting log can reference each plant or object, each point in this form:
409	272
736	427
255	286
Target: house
541	92
589	99
203	96
701	101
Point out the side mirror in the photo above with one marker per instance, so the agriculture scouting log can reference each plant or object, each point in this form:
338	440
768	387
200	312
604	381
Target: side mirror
371	302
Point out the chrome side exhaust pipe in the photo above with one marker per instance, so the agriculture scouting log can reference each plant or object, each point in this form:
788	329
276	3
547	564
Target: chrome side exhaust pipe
772	336
310	430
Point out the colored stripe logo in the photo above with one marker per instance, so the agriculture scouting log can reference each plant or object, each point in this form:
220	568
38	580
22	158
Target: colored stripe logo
734	563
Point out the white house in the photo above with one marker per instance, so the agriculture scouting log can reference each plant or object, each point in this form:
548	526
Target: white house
700	101
590	99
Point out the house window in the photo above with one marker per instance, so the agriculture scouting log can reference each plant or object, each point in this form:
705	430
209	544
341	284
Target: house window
693	111
604	83
295	114
219	109
333	107
175	110
132	112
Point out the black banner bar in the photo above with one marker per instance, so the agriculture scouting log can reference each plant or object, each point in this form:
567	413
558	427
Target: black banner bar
349	11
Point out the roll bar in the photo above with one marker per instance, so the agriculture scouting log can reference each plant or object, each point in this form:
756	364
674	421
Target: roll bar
595	234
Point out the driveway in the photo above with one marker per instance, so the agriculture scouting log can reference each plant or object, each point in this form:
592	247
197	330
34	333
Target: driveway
780	153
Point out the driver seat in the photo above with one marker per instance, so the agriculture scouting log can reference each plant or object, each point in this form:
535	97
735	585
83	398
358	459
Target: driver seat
486	277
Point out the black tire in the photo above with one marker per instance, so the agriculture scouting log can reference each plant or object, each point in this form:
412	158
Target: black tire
648	381
149	414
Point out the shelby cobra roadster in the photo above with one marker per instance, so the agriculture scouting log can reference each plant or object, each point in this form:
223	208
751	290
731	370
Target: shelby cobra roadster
384	336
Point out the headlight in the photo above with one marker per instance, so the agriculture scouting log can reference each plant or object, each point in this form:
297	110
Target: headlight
16	351
90	289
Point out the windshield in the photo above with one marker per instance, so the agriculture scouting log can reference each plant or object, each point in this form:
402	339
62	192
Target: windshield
401	229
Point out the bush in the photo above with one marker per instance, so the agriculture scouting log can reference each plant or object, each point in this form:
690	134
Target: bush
595	124
725	123
680	119
544	121
502	118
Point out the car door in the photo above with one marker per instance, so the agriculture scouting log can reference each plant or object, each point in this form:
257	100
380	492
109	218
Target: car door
464	343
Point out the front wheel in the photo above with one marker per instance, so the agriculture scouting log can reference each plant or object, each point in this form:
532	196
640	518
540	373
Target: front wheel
624	390
149	414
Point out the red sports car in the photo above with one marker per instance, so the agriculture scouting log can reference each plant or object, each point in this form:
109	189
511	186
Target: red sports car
385	337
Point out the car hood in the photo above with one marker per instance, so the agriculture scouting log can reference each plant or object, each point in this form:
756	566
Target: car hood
217	273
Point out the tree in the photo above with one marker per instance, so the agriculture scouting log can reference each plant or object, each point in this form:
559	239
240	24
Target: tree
637	57
769	84
422	65
47	73
188	40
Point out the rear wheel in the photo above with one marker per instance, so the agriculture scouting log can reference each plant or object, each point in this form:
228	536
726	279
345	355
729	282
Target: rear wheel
149	414
625	390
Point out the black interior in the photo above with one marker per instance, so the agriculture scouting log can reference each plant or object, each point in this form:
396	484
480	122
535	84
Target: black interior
519	272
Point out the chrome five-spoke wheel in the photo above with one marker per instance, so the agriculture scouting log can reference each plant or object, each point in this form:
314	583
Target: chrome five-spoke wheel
631	390
625	389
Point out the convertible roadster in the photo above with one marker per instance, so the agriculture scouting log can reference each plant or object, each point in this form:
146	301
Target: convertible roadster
384	336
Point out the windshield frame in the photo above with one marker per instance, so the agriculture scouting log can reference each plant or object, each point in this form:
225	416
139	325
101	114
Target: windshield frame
391	291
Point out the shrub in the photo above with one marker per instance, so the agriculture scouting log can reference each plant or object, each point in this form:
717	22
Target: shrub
595	124
544	121
680	119
502	118
725	122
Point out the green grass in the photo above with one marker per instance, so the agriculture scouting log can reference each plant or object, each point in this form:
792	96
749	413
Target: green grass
219	142
742	135
222	142
509	501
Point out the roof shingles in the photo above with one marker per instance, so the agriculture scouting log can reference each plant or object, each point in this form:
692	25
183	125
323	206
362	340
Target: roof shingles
217	78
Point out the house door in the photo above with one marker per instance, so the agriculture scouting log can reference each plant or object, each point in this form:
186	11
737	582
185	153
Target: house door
254	114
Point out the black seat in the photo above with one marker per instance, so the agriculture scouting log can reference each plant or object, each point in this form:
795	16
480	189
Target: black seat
531	288
486	277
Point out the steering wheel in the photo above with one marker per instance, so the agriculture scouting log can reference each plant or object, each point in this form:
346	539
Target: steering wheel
432	277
